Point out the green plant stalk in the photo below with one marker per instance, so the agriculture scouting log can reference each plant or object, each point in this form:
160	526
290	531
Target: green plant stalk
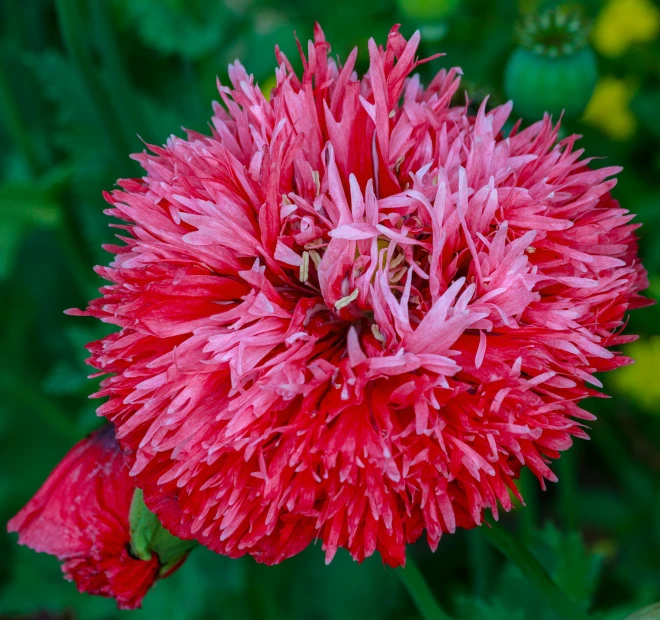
480	556
568	489
71	29
532	570
263	605
419	591
529	513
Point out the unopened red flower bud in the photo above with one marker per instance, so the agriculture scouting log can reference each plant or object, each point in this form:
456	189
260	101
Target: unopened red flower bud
81	516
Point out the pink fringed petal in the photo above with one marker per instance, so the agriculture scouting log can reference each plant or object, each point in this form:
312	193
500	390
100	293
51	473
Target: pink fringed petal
356	311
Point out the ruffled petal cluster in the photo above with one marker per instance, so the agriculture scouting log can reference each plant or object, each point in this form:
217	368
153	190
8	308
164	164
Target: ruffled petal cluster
356	310
80	515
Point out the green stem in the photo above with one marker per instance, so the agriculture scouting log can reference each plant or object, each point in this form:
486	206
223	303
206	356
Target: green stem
567	489
480	563
421	594
530	567
29	397
72	28
529	513
263	603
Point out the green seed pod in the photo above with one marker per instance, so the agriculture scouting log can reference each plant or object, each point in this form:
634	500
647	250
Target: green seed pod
554	69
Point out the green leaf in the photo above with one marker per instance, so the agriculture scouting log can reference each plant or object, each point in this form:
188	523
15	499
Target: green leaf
516	551
191	28
570	563
79	127
420	592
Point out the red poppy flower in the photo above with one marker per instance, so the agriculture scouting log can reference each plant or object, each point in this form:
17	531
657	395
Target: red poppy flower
357	309
81	514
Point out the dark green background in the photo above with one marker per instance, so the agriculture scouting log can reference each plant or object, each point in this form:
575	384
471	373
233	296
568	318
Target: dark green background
79	82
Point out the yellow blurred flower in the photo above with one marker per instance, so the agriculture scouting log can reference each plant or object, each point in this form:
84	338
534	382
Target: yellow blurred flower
640	381
609	108
621	23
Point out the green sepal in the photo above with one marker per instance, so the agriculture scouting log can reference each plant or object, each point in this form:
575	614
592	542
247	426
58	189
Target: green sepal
143	525
148	536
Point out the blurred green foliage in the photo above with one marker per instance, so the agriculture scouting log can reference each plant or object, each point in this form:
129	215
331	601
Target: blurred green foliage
83	83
